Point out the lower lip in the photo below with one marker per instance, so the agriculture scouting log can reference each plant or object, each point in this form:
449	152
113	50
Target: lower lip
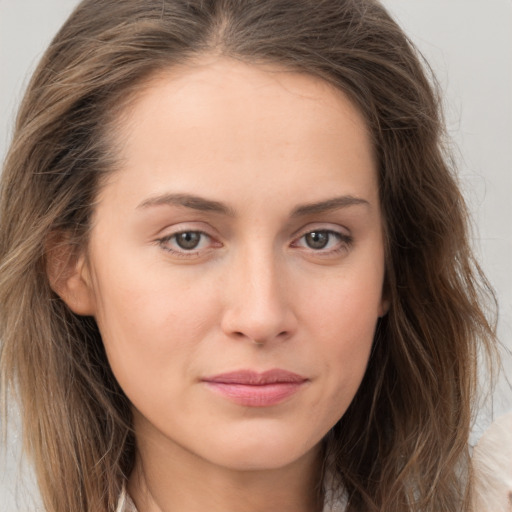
263	395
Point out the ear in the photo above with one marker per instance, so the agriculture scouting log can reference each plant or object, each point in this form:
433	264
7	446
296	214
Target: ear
69	275
383	307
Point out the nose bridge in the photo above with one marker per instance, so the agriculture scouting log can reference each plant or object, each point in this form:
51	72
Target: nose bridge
258	307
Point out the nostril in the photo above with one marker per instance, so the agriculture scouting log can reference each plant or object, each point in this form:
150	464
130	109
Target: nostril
260	321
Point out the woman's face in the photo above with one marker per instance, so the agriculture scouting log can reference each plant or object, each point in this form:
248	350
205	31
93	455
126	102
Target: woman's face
236	262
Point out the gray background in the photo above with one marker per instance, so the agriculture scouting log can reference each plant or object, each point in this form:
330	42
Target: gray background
469	45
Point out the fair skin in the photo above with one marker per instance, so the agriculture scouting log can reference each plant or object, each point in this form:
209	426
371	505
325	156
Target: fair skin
269	178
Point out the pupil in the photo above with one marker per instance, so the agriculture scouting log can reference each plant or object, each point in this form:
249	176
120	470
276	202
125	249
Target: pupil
317	239
188	240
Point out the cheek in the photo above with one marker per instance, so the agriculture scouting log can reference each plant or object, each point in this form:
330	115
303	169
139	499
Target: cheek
342	318
346	305
151	321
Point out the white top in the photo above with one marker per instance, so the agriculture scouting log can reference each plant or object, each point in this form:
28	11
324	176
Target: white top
492	461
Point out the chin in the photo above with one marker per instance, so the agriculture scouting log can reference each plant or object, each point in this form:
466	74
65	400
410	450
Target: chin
260	454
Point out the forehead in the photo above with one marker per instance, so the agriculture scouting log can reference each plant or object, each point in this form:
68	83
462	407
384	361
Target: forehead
218	121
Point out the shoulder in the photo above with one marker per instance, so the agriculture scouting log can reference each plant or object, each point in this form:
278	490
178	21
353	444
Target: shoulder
492	464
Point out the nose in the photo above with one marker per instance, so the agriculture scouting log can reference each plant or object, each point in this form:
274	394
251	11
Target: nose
258	301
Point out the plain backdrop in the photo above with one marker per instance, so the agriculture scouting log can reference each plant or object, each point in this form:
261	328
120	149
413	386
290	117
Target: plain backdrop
469	45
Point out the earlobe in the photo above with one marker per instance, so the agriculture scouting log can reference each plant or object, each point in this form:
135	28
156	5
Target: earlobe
68	275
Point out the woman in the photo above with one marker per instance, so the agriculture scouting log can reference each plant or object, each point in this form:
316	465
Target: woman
235	267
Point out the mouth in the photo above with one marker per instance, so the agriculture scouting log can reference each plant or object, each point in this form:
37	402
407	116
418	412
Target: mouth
255	389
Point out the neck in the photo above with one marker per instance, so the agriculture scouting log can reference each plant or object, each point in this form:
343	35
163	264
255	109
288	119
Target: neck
177	480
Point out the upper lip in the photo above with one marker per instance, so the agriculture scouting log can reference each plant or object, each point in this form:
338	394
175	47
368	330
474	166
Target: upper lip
254	378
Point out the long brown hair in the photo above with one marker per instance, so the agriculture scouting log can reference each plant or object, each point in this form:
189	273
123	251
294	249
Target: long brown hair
402	444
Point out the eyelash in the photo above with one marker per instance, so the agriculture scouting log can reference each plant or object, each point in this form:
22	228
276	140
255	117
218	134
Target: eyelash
344	243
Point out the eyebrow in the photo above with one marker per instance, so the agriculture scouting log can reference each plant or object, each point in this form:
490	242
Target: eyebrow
188	201
328	205
208	205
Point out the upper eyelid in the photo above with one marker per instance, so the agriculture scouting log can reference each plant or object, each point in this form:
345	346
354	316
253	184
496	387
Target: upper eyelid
185	230
183	227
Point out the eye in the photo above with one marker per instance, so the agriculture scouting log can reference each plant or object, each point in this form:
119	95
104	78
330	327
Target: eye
324	241
185	242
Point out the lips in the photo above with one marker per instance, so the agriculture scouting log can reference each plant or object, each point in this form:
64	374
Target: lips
254	389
